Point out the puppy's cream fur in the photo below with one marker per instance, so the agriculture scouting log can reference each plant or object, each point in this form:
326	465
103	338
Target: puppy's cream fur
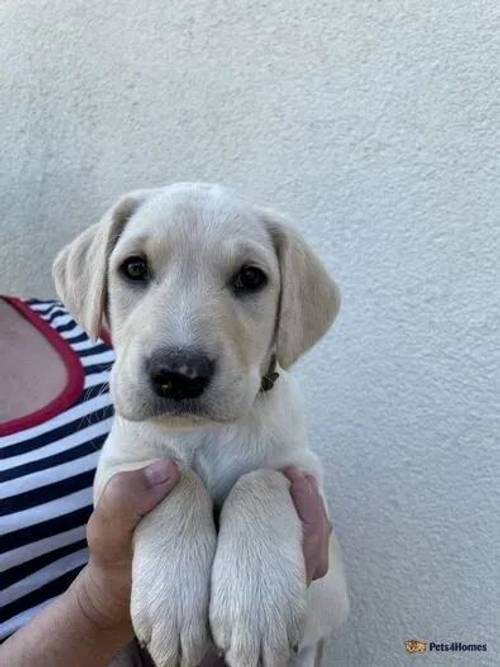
245	580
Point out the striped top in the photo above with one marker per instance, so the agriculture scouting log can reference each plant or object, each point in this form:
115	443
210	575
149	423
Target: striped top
47	465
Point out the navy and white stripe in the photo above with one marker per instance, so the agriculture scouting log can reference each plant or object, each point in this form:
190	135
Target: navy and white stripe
46	475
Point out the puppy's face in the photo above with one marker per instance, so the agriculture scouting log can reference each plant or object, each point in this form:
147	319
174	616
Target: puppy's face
193	290
199	289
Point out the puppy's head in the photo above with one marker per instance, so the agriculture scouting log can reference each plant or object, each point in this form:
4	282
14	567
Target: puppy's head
199	289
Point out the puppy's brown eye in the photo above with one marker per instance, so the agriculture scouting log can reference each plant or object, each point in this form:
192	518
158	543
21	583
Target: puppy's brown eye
135	268
249	279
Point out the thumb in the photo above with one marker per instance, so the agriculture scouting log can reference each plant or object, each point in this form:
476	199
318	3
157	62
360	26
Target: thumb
126	498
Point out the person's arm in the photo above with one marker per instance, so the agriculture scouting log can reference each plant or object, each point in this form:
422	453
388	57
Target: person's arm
90	622
64	634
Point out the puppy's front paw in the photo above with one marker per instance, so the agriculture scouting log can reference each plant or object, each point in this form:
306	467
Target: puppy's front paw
173	554
170	619
257	611
258	594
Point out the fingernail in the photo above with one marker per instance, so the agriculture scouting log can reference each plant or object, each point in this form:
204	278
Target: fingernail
158	472
312	479
292	473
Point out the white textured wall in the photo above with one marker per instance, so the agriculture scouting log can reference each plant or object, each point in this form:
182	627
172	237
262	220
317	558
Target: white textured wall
377	125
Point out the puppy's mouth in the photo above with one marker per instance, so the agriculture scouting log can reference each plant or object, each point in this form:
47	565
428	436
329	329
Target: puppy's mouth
187	409
224	402
183	413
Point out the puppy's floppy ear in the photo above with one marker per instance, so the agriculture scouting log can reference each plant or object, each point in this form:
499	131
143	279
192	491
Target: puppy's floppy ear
309	299
80	268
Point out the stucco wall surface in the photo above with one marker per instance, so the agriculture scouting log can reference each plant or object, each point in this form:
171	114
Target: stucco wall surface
376	125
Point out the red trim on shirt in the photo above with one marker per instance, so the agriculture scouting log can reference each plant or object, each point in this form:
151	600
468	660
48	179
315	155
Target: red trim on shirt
76	376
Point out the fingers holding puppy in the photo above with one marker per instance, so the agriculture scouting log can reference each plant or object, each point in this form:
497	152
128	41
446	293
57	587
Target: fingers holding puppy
316	526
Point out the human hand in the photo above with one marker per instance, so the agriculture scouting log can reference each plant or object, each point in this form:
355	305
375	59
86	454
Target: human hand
316	526
103	587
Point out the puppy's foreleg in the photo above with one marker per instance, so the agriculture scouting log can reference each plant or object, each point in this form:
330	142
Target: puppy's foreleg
310	656
258	596
174	546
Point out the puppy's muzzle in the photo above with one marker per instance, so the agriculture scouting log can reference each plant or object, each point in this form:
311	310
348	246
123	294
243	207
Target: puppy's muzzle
180	373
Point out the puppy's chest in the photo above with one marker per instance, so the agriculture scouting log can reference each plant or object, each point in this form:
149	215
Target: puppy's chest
221	461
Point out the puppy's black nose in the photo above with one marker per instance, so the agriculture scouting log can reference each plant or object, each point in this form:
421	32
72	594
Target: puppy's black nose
180	373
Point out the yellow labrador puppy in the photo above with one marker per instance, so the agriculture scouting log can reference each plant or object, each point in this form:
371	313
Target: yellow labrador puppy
210	300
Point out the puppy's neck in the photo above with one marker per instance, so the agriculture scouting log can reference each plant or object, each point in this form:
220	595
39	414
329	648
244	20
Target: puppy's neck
269	435
270	376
